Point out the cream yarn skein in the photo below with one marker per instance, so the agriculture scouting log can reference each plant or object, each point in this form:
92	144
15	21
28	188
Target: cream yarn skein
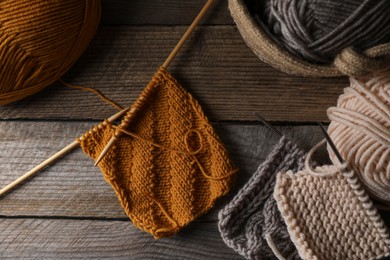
360	129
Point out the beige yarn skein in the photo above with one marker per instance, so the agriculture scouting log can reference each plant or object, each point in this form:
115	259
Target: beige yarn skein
360	129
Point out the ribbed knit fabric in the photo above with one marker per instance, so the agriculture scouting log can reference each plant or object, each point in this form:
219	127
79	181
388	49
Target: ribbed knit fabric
251	223
329	216
167	166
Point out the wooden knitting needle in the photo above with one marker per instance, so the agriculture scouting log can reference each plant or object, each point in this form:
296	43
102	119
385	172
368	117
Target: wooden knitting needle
167	62
265	122
50	160
331	144
118	115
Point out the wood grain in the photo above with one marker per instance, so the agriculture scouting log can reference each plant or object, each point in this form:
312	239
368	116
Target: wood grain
161	12
215	66
74	188
68	210
43	239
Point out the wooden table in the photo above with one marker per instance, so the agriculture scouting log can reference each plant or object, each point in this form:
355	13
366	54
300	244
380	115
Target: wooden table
68	210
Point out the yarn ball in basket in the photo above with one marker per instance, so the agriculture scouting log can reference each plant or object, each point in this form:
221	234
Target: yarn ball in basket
40	40
360	129
322	38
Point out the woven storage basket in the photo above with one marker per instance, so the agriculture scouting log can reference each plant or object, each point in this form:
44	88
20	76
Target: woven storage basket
270	52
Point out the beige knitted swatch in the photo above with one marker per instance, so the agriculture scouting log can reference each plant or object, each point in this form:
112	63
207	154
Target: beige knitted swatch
329	216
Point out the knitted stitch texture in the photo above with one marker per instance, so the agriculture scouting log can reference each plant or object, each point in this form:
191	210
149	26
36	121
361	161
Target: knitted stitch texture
251	223
168	166
330	216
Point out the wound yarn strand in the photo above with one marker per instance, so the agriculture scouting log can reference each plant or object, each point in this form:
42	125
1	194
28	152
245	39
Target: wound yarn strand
360	129
40	40
352	23
317	38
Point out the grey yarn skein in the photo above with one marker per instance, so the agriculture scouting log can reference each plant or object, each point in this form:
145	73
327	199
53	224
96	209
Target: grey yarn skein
252	218
318	30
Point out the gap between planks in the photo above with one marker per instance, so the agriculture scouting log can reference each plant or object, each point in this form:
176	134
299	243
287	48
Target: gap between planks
101	239
74	188
161	12
215	66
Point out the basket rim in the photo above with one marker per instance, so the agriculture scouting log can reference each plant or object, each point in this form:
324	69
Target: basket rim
269	51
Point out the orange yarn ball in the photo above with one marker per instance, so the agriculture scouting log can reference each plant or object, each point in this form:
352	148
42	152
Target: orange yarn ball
40	40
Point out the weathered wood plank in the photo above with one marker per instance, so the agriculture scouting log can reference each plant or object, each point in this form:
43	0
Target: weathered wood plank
216	66
74	188
43	239
162	12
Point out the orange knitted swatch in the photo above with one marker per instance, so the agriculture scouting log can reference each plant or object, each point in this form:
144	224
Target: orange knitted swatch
167	165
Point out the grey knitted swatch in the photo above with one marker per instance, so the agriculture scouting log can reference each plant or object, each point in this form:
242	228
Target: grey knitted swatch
251	223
